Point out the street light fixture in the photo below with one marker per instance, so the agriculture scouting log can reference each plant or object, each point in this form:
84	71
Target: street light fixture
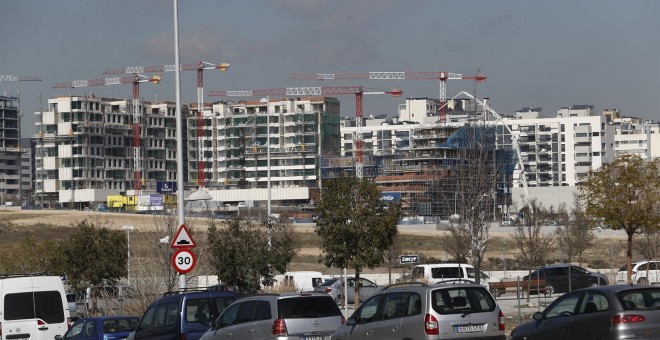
128	228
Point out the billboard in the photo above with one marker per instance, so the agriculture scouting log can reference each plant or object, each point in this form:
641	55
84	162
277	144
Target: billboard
166	187
389	197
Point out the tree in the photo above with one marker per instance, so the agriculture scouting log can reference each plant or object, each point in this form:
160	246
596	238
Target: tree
649	245
95	257
456	243
534	246
574	235
625	195
356	227
241	256
33	256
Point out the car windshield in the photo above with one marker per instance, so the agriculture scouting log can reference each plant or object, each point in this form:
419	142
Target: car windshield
471	273
119	325
462	300
328	282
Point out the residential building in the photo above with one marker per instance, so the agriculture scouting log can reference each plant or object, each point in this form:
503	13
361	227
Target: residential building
10	150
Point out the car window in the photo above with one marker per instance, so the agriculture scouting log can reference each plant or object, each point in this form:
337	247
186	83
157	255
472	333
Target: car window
414	304
75	330
307	307
642	266
445	273
222	302
564	306
461	300
368	311
197	310
246	311
578	271
119	325
394	305
147	320
89	329
640	299
366	283
165	314
328	282
262	311
653	265
45	305
593	302
228	317
418	272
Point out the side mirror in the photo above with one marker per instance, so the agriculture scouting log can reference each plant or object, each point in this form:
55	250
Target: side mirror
215	325
351	322
537	316
58	337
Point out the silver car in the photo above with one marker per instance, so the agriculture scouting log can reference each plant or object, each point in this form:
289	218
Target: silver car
309	316
335	288
605	312
420	311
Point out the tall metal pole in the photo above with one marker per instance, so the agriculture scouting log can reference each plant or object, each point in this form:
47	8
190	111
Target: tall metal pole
270	232
179	131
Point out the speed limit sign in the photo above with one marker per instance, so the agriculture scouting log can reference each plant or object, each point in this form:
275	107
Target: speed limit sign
184	260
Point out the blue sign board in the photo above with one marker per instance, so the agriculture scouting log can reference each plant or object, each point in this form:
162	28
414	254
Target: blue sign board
166	187
408	259
389	197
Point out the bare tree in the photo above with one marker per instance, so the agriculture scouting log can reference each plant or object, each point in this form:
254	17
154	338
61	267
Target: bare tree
456	242
574	235
649	244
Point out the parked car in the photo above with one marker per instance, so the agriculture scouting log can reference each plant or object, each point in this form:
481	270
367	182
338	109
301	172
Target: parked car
604	312
335	288
416	310
32	307
116	327
454	272
182	316
308	315
564	278
643	272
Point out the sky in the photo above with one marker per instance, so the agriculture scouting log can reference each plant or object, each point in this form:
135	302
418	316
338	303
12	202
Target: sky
534	53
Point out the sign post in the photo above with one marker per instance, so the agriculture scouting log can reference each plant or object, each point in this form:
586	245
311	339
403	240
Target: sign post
184	259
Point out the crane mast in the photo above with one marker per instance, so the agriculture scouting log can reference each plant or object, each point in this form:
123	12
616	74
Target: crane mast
199	67
358	91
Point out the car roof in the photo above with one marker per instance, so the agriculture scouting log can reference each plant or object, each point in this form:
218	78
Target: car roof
176	296
417	286
619	288
111	317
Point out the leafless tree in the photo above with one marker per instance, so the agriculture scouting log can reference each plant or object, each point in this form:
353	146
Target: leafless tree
648	245
575	234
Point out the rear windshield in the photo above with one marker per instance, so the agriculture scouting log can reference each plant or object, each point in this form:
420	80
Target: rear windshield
640	299
119	325
446	273
462	300
307	307
46	306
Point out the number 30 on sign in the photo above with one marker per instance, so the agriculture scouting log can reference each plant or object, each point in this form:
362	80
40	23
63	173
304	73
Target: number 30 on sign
184	260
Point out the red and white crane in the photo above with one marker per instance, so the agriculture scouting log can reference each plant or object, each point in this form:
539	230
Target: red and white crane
199	67
135	80
358	91
9	77
441	76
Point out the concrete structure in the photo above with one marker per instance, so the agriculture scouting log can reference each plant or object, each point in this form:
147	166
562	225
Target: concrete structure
633	136
10	151
84	149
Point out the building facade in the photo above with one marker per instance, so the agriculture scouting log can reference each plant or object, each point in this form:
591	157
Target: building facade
10	151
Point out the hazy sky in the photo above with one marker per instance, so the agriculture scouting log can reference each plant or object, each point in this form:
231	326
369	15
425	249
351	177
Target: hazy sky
548	54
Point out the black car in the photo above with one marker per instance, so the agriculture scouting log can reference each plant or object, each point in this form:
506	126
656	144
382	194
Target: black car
565	278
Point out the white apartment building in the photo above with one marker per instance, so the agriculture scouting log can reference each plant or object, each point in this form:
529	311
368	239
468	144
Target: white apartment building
243	142
633	136
10	151
87	149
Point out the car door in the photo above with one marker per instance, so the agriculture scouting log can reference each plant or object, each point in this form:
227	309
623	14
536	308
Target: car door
244	324
393	310
557	318
360	324
367	289
74	332
580	278
226	324
591	320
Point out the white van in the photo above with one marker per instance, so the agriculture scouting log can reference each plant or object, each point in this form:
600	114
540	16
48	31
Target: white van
449	272
32	307
304	280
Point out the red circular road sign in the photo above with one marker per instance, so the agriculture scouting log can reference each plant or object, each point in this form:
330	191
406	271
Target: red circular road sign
184	260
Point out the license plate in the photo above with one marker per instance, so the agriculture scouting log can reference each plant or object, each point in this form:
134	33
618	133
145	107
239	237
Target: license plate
316	337
469	328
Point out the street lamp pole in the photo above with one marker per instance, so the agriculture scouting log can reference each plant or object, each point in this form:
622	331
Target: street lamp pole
270	232
179	132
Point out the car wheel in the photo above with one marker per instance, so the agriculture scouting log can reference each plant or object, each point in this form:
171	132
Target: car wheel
642	281
339	300
495	292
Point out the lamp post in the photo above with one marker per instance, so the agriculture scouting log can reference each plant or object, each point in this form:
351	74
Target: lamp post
179	132
128	228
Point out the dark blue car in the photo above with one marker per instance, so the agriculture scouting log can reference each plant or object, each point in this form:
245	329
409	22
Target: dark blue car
116	327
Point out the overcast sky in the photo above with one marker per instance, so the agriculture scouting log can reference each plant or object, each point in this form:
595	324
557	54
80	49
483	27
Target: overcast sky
547	54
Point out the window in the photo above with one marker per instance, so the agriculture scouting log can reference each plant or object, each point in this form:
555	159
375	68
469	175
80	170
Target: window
262	311
228	318
45	305
304	307
445	272
593	302
565	306
223	302
394	305
246	311
414	305
165	314
368	310
461	300
197	310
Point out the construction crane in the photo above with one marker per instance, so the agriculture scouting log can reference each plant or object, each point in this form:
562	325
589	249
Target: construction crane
199	67
8	77
442	77
358	91
135	79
